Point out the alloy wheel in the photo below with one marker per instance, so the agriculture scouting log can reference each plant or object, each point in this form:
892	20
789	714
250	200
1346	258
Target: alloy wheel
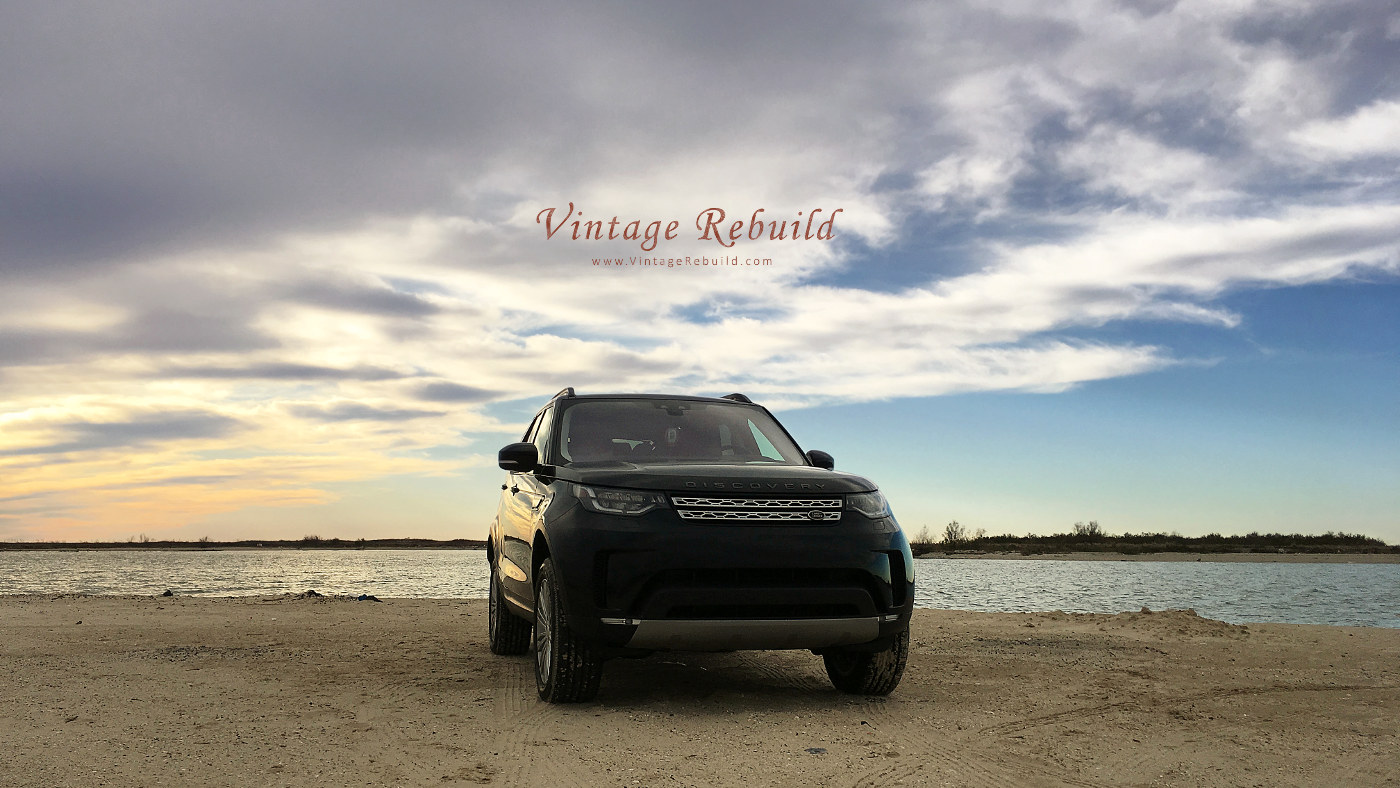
544	628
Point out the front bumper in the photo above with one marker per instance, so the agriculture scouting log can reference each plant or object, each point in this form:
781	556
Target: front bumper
657	582
735	634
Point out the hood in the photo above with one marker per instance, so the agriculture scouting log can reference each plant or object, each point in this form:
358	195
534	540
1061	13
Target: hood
731	479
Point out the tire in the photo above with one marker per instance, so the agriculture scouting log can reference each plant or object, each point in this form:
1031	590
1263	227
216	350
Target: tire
509	633
567	669
869	672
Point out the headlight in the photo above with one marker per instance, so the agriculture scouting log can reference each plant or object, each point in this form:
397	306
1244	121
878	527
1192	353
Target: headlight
870	504
609	500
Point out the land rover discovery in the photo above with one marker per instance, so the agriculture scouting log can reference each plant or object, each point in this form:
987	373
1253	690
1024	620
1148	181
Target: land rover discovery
635	523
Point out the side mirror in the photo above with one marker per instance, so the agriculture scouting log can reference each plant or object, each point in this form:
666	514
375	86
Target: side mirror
519	458
821	459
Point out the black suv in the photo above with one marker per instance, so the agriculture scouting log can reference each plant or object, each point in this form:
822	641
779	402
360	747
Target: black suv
632	523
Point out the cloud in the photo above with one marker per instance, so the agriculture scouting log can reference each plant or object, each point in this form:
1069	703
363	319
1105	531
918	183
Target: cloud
353	297
152	332
345	115
358	411
453	392
1138	170
21	346
183	481
1370	131
279	371
138	431
176	331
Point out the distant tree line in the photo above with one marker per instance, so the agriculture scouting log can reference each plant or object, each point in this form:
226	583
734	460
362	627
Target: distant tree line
1090	537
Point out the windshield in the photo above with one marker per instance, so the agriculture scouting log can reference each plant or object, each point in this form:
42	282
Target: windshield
673	431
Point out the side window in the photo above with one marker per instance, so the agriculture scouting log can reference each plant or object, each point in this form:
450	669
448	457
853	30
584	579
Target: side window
542	434
529	436
566	434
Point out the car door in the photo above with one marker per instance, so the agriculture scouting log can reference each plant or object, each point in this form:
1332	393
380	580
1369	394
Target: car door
522	505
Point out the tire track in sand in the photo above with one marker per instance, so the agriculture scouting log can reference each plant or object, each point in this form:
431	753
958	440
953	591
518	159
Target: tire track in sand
776	673
524	749
930	757
1145	704
390	709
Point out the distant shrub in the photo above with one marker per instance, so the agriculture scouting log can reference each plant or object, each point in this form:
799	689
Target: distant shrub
1089	530
922	542
954	534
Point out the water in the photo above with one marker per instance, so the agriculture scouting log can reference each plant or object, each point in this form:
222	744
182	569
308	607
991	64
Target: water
1339	594
1239	593
383	573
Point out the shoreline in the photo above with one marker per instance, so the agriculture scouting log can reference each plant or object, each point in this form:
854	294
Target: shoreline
299	691
1286	558
1010	555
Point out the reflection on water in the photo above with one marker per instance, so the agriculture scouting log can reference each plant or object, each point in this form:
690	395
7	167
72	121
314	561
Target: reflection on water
1350	594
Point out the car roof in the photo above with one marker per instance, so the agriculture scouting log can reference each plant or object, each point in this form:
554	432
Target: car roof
679	397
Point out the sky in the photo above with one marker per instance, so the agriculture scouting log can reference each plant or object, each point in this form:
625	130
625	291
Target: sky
276	271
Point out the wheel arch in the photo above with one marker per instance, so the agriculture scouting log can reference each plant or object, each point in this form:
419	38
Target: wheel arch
539	551
492	534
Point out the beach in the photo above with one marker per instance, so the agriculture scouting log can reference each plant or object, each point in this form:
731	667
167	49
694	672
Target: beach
302	691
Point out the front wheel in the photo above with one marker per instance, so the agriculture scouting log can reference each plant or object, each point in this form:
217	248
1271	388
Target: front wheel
509	634
567	668
869	672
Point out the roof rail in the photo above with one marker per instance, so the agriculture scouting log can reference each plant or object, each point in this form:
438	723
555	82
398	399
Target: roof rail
567	392
737	397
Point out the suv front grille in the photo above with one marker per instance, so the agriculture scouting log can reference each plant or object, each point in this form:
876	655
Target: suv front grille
793	510
758	592
758	610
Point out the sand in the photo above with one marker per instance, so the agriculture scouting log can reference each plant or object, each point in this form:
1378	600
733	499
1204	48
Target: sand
300	691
